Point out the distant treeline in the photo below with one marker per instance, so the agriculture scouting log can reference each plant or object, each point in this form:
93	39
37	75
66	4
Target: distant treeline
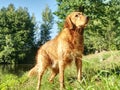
20	34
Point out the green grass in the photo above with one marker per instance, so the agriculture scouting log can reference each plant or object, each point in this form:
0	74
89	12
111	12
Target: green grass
100	72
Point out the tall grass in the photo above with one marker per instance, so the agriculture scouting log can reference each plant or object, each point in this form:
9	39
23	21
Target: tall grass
100	72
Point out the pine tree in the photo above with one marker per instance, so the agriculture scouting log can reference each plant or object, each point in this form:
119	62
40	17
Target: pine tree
46	26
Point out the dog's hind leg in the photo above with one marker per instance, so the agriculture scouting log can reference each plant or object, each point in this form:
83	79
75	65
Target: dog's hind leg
42	66
55	71
40	74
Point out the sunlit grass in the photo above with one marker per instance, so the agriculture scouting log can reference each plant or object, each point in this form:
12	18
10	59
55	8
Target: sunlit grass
97	75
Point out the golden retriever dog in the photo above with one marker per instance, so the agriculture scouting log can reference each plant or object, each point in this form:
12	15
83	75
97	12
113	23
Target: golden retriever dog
62	50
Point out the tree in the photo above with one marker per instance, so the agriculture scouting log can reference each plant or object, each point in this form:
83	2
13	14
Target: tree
46	26
103	28
16	34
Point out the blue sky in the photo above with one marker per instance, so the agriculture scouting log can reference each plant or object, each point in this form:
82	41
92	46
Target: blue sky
34	6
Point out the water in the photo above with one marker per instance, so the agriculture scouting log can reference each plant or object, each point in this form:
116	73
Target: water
18	69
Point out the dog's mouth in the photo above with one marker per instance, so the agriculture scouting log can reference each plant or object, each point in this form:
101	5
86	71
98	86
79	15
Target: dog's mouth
87	19
82	26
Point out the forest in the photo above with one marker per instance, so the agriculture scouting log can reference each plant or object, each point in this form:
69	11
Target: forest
19	41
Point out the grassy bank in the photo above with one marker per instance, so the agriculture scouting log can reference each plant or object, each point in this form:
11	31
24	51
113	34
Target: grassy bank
101	71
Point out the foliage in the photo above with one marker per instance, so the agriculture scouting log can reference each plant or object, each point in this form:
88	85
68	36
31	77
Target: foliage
97	75
16	34
102	32
46	26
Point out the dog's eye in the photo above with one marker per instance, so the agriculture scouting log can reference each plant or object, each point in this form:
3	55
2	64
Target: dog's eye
76	15
80	13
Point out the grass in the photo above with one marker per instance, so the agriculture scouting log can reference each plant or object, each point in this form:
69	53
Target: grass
100	72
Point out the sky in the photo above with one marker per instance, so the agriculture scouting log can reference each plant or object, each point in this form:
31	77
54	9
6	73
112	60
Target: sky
34	6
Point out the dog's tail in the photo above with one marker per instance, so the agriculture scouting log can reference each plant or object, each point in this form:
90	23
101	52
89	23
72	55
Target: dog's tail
33	71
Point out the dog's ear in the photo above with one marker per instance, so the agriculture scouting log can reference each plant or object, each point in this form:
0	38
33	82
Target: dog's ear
68	23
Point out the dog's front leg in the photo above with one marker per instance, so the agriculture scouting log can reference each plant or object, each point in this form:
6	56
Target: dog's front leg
61	72
78	63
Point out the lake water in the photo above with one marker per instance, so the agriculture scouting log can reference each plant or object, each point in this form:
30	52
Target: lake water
18	69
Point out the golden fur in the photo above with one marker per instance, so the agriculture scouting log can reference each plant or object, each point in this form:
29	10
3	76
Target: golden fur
62	50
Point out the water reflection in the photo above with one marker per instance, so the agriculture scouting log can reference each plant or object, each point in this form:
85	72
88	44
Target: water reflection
18	69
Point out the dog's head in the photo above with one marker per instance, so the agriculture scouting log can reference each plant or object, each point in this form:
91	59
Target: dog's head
76	20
